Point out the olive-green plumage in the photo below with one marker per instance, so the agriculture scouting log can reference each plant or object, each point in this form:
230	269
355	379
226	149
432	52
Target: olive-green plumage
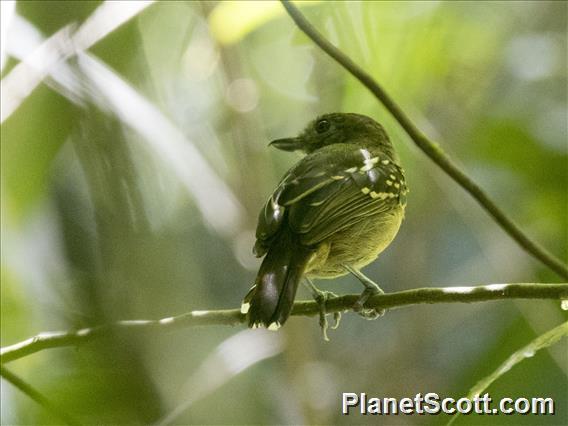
340	206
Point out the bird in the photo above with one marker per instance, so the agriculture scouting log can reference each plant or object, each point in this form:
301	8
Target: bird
332	214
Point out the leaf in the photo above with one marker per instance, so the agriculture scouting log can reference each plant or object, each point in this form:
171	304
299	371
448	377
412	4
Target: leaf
232	21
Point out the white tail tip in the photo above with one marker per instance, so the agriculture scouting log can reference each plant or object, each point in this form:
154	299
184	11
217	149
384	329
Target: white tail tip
245	307
274	326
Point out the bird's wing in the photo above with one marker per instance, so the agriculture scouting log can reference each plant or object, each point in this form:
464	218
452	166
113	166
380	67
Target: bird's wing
310	175
374	187
329	191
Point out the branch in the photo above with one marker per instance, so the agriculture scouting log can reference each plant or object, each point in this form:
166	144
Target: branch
400	299
541	342
37	396
430	148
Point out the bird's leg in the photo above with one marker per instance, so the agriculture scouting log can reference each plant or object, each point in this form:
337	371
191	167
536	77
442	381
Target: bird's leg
371	288
321	297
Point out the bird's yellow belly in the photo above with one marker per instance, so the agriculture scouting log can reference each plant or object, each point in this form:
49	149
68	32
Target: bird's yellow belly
356	246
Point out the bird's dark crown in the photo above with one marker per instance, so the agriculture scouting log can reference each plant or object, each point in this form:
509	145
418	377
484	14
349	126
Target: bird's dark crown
337	128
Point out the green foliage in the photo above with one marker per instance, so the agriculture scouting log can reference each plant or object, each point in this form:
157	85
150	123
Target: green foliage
26	164
98	224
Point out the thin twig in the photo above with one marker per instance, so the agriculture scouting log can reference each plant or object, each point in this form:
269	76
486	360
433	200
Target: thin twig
37	396
541	342
301	308
430	148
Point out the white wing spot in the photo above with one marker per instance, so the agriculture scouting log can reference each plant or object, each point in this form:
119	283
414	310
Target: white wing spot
385	162
245	308
382	195
365	154
365	190
337	177
393	177
397	185
389	182
369	163
351	170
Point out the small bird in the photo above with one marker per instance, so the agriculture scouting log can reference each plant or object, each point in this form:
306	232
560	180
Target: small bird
331	214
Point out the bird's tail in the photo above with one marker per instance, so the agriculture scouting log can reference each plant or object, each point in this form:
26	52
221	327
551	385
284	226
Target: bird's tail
269	302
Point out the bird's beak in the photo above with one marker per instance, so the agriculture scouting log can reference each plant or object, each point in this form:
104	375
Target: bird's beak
287	144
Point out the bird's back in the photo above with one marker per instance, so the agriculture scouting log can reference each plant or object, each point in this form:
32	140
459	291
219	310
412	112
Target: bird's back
341	205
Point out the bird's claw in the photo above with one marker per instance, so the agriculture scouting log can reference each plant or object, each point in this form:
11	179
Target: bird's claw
371	314
368	313
321	297
337	319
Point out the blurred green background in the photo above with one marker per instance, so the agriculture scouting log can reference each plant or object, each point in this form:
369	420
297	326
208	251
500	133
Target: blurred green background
132	176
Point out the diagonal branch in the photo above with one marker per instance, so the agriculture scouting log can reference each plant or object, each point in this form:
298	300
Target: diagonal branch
430	148
399	299
541	342
37	396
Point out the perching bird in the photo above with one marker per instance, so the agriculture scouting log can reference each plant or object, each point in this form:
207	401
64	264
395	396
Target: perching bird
331	214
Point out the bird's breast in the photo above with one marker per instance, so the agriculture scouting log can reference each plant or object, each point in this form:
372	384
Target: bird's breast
357	245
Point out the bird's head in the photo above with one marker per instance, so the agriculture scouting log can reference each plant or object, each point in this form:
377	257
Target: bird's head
337	128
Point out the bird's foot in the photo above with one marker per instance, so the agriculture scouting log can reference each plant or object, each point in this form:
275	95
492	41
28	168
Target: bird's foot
321	297
371	289
368	313
321	300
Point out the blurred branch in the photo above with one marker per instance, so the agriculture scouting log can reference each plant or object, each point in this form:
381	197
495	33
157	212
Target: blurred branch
114	94
37	396
304	308
541	342
430	148
35	66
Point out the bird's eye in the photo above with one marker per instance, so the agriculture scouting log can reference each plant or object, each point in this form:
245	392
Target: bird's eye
322	126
